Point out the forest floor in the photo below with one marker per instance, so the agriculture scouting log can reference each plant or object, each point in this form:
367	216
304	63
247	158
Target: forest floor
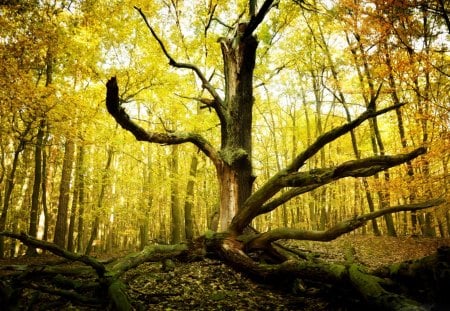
212	285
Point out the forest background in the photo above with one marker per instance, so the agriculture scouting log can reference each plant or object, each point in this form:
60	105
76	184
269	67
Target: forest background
69	174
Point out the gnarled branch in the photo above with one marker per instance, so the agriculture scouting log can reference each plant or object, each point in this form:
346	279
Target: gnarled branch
262	240
252	207
55	249
354	168
307	181
121	117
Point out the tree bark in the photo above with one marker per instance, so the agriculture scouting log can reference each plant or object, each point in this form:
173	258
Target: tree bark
262	241
8	191
32	230
176	224
77	201
64	194
80	199
189	201
235	173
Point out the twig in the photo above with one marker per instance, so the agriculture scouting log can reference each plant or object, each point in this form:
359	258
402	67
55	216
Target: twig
176	64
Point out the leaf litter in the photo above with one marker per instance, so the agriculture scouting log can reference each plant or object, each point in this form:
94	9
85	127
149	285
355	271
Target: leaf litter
212	285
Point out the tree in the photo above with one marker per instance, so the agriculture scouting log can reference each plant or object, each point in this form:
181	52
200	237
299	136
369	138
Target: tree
231	96
240	204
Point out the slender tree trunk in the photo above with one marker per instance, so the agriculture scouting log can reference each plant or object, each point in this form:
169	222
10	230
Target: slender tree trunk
8	191
376	140
32	231
93	236
271	125
341	98
48	80
44	188
175	207
144	226
64	194
319	195
429	229
143	233
80	199
189	202
403	139
101	197
314	225
79	171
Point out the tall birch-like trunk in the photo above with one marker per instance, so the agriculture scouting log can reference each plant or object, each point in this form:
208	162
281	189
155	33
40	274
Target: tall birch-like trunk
77	199
176	230
32	230
189	202
96	224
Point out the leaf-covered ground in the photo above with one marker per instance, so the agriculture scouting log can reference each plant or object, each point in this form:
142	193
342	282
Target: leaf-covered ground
211	285
205	285
374	251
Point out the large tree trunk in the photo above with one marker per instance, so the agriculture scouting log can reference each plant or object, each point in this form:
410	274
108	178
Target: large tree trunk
235	173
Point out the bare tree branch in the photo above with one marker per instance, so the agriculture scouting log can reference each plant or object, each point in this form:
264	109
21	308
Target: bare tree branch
211	10
259	17
121	117
55	249
354	168
286	197
252	206
176	64
209	103
307	181
333	134
262	240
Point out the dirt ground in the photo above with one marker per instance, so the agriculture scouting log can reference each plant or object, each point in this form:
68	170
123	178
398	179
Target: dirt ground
211	285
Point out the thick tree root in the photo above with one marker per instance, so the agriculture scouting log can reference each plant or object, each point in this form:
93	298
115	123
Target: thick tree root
428	277
376	292
369	286
382	289
105	285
